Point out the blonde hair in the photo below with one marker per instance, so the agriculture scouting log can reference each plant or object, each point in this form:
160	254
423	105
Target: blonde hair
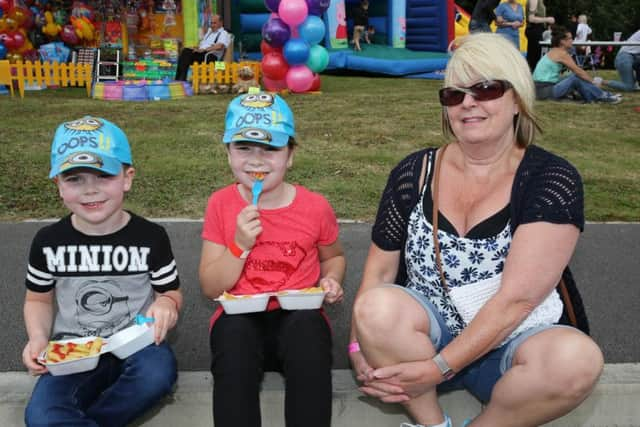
487	56
582	19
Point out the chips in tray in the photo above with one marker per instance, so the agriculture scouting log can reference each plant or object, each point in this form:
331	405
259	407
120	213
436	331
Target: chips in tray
66	351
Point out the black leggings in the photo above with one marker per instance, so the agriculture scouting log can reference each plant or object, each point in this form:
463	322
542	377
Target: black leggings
296	343
534	35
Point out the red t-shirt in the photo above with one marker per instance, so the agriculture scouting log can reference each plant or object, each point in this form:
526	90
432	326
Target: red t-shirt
285	255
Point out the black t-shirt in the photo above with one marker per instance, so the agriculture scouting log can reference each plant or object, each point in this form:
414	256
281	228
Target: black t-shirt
101	282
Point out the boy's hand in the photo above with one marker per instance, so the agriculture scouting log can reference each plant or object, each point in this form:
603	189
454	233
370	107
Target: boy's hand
30	356
165	314
248	227
335	293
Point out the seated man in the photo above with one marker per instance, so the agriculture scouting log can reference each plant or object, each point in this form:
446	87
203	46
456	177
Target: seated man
215	40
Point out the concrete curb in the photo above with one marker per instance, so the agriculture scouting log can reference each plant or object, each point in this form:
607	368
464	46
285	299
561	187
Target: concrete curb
614	403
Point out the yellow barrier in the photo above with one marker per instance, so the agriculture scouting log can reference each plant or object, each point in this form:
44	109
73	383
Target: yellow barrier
208	74
63	75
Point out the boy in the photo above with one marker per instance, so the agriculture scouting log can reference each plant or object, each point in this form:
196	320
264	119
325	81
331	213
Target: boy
104	265
287	239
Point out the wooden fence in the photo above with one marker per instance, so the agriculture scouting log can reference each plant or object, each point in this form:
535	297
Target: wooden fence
211	73
52	74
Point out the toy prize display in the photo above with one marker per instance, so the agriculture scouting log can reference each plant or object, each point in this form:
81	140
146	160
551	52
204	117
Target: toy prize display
292	57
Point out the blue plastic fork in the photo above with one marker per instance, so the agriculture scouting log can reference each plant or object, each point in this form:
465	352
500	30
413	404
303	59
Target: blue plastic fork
256	190
140	319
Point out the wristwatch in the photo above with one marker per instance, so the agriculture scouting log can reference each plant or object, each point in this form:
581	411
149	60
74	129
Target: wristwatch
445	370
237	252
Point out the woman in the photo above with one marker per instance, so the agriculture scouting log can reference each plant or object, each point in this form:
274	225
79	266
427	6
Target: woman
508	210
548	73
536	20
509	19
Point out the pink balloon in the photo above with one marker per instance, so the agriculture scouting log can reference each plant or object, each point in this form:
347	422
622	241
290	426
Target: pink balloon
299	78
69	36
274	85
293	12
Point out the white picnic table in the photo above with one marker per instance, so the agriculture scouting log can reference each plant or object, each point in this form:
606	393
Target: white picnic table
596	43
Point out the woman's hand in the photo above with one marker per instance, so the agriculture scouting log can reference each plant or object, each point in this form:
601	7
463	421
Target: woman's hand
30	356
360	366
248	227
402	382
164	311
334	292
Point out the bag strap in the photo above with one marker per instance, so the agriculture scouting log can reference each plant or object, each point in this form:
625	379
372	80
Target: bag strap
568	304
434	217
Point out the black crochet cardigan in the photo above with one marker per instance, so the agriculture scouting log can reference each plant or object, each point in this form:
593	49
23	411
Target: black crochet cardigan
546	188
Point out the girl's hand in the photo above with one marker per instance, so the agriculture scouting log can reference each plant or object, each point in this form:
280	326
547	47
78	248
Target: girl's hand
164	311
30	356
335	293
248	227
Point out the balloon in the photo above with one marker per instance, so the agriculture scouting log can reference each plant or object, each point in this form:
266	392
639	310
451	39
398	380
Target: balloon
18	40
299	78
7	40
315	84
5	5
21	15
312	29
69	36
272	5
293	12
317	7
267	48
318	59
274	66
3	51
276	32
273	85
296	51
50	28
10	23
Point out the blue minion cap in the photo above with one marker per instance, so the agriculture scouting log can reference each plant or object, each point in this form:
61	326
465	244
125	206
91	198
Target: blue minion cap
89	142
260	117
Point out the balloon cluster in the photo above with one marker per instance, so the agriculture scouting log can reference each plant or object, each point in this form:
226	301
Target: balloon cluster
292	57
15	22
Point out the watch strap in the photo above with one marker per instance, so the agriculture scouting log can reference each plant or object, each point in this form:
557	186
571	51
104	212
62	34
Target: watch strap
443	366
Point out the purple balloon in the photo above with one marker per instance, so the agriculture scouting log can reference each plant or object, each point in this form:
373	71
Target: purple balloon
275	32
272	5
317	7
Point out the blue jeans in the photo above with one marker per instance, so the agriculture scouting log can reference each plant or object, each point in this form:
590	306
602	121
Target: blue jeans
479	27
626	64
113	394
588	91
481	376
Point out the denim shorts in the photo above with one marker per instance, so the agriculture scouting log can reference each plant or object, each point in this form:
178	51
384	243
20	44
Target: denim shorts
479	377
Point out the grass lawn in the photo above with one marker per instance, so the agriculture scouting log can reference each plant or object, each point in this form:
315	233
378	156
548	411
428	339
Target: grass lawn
350	138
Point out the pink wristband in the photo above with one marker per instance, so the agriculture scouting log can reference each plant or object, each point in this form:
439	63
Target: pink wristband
353	347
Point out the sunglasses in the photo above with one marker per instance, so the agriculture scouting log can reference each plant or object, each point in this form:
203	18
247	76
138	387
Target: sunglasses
483	91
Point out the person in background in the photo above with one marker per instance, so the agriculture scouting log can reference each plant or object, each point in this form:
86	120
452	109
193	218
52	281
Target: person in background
548	73
215	40
103	266
536	20
509	213
583	33
482	15
572	25
361	24
285	239
627	64
509	19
